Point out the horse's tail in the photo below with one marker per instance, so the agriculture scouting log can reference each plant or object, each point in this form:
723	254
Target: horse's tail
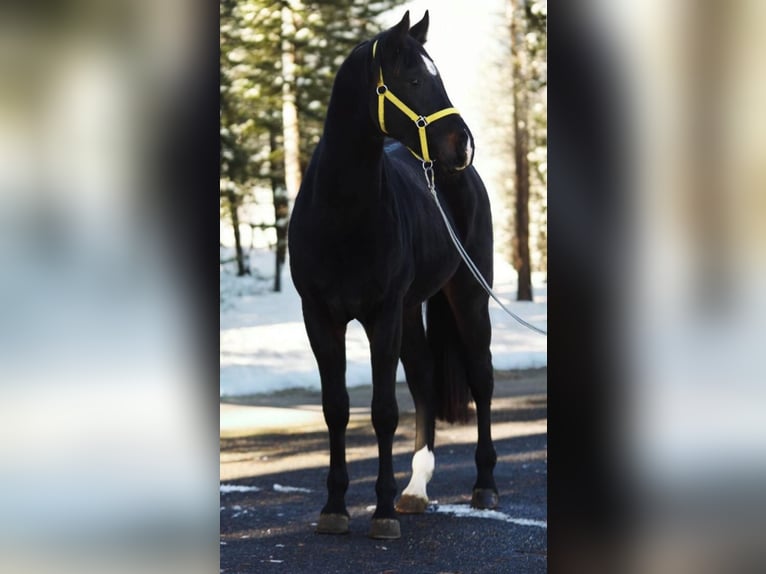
451	392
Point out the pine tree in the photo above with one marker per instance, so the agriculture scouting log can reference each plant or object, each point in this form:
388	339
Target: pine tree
280	58
536	42
249	96
526	22
326	32
521	256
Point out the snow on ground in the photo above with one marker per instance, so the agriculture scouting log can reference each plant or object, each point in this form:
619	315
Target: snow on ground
264	347
459	510
227	488
281	488
464	510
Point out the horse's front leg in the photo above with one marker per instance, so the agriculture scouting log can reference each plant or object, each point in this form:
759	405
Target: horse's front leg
385	333
328	341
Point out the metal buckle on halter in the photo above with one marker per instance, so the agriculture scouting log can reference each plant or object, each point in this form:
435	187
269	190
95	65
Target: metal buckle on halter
428	172
381	89
421	122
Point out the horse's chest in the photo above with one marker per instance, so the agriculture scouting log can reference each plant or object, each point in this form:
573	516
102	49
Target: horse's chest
358	271
354	278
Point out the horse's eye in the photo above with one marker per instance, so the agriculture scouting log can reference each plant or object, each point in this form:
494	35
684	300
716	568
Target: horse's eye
414	81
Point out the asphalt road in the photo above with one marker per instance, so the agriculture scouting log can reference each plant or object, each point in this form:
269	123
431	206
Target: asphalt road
277	443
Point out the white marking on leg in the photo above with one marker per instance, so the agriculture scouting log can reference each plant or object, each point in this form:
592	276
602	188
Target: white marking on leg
422	471
430	66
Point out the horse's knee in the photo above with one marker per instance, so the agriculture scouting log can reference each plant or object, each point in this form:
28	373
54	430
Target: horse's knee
336	411
385	416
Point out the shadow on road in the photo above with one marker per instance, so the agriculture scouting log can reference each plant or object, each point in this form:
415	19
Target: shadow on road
272	529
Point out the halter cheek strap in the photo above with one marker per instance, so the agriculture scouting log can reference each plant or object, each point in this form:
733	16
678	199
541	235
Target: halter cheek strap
420	121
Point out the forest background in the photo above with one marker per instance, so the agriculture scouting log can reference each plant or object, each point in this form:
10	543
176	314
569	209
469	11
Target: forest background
277	64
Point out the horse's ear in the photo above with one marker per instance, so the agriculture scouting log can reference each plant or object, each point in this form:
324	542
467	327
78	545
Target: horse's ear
399	32
420	30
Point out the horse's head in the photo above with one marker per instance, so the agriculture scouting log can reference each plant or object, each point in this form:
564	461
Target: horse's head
408	100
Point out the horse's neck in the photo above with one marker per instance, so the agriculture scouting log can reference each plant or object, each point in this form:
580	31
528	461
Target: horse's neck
350	166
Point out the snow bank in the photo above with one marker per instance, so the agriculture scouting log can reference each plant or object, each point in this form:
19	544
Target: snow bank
264	346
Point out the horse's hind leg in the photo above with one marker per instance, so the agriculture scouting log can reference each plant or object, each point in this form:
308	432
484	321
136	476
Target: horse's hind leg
418	367
328	341
481	380
471	311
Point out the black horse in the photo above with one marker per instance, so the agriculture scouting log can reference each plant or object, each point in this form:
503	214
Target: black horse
367	242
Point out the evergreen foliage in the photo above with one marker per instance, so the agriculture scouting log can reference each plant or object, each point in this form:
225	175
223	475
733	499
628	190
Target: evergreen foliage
536	14
252	34
322	35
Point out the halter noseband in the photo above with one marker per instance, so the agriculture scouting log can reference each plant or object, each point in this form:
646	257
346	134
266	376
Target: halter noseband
420	121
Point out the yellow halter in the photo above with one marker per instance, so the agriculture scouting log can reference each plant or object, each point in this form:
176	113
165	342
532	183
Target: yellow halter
420	121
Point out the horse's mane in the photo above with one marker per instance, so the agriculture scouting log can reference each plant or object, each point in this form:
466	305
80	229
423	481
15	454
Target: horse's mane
359	45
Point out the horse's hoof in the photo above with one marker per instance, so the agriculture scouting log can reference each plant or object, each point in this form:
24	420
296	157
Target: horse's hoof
385	529
409	504
484	498
332	524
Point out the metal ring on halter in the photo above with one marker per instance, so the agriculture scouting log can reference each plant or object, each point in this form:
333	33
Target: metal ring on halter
381	89
421	122
427	165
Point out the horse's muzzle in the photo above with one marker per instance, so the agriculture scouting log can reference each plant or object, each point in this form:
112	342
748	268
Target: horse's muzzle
457	152
465	149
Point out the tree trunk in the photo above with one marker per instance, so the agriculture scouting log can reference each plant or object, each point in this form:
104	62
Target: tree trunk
289	109
242	269
279	197
521	150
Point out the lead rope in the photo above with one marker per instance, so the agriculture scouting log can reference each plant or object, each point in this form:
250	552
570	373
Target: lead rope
428	170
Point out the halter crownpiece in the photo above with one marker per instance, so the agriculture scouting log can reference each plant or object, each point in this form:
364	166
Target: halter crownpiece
420	121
